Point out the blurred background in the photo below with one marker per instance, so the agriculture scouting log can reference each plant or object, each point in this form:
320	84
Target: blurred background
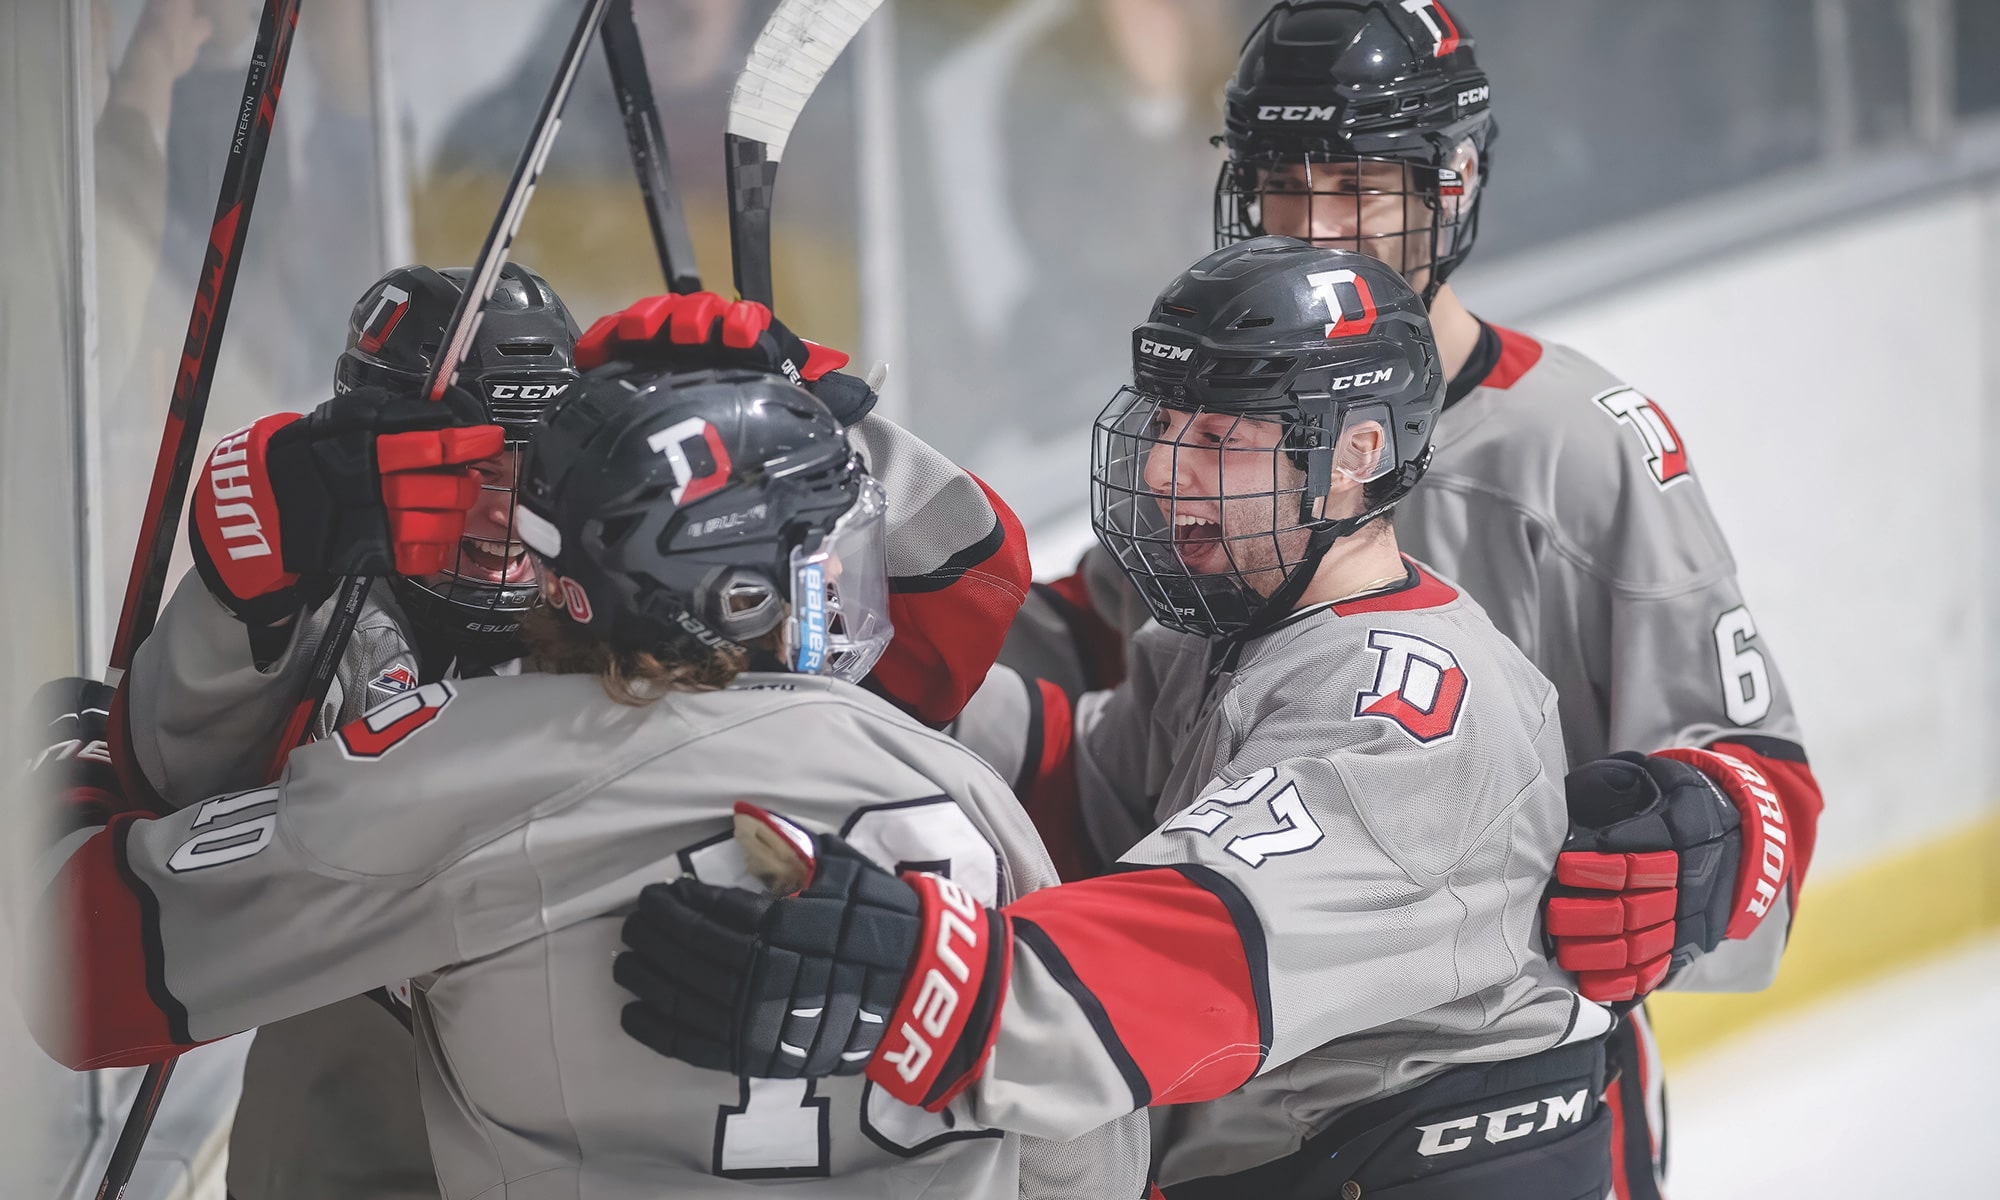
1780	218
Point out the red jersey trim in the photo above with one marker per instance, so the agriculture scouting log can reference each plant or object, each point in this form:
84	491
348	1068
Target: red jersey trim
1174	959
1428	592
118	1008
1518	355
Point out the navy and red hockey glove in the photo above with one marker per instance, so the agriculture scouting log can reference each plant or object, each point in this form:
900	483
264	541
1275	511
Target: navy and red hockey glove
702	329
852	969
371	483
73	770
1668	854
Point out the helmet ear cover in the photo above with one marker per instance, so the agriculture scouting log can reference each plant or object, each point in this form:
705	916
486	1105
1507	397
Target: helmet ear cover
739	603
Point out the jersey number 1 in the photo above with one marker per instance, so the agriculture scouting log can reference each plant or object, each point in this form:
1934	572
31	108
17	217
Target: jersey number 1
780	1128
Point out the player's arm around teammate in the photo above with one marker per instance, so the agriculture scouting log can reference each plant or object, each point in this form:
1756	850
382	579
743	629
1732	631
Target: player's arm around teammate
689	526
1345	782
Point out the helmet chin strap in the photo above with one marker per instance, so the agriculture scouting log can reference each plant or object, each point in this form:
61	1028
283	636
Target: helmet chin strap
1280	603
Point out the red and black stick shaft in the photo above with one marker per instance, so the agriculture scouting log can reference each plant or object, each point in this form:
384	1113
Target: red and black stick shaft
250	136
626	59
459	332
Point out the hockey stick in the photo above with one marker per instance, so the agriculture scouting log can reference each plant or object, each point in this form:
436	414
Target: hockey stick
459	331
250	136
626	59
794	51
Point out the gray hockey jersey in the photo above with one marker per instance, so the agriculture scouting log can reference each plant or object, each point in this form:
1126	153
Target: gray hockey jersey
330	1097
1566	502
484	839
1332	858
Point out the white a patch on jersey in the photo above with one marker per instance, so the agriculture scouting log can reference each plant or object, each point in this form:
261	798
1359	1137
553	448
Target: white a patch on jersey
1419	686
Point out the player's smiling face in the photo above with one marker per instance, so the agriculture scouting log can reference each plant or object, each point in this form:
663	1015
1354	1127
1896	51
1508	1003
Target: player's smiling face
1229	494
491	550
1371	207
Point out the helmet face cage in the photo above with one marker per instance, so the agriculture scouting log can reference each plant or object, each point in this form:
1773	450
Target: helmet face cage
492	581
1209	512
1413	216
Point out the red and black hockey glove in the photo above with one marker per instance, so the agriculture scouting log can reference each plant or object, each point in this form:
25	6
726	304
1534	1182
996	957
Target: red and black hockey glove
1667	855
371	483
702	329
73	769
852	970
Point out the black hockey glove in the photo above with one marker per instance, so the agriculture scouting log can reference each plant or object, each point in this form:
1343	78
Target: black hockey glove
1665	858
73	767
702	329
370	483
813	983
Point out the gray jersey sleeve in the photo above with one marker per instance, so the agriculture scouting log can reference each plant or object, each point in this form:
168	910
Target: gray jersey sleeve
1568	504
205	716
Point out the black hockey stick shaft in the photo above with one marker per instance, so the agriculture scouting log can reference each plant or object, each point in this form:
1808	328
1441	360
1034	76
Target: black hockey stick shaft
793	52
753	178
459	332
625	57
250	136
138	1123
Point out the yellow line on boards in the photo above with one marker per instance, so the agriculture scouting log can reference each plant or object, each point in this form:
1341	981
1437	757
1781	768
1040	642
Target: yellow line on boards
1854	927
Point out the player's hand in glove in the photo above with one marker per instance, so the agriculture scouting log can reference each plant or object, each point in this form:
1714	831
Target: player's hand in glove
1667	855
853	970
370	483
72	765
702	329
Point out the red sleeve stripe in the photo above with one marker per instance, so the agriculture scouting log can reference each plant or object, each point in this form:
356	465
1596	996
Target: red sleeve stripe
120	1011
151	944
1100	649
1173	958
1047	787
950	622
1783	764
1005	538
1052	957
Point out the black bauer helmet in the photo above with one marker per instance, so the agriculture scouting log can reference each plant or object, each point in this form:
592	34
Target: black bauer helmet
520	363
722	503
1267	372
1362	126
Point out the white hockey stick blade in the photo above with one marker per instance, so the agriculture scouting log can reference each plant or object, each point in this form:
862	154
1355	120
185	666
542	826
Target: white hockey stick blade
794	52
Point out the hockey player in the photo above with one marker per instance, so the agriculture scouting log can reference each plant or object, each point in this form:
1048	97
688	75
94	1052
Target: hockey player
330	1107
1329	784
1558	497
712	551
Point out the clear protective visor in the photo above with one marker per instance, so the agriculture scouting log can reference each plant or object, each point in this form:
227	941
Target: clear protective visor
840	595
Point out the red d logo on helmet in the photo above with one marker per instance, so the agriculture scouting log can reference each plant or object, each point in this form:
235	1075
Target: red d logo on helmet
695	451
1347	301
389	308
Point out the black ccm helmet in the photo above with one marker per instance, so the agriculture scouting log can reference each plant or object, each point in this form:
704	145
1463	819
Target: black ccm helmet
1267	369
1343	110
724	504
521	361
